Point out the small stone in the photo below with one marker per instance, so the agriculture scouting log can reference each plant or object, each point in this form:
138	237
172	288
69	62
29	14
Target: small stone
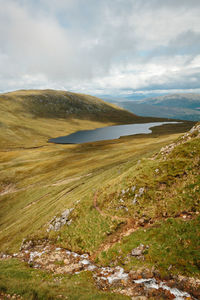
57	226
138	251
65	213
63	221
141	191
135	199
146	273
85	262
69	222
141	222
133	189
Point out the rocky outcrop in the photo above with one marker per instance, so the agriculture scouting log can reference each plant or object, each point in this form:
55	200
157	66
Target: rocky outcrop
138	195
5	296
139	251
133	191
194	132
57	222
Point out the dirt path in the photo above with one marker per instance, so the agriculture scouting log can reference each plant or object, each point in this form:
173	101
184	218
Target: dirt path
126	227
102	213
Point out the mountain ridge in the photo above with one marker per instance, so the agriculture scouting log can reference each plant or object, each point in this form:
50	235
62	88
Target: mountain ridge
178	106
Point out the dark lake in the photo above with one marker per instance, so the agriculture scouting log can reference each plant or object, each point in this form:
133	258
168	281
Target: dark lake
106	133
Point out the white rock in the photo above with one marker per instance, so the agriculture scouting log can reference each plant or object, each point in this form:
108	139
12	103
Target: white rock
135	199
118	275
138	251
85	262
141	191
133	188
91	267
65	213
151	283
85	255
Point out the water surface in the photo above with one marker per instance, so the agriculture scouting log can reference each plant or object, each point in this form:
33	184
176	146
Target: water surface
106	133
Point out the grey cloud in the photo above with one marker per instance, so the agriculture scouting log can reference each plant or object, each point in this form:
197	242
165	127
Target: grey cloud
186	43
157	4
189	80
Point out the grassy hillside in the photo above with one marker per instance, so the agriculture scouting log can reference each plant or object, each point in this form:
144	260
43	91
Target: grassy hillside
161	194
30	118
40	181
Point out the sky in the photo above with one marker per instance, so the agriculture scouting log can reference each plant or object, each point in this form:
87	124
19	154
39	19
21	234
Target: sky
110	47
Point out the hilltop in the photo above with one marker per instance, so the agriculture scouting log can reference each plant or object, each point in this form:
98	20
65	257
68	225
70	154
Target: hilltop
176	106
85	221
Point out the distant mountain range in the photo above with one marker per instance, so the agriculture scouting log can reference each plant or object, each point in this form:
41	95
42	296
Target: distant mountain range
176	106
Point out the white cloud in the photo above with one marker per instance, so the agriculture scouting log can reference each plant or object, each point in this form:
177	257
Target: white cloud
106	45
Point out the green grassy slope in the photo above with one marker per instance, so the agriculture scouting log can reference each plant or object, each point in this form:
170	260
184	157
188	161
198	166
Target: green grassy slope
35	284
163	194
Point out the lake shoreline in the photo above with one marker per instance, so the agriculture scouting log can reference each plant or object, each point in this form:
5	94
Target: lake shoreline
108	133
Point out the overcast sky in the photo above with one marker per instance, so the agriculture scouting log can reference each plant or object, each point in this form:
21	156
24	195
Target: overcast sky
100	46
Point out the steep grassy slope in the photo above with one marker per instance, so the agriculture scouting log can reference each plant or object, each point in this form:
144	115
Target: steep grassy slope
38	183
161	194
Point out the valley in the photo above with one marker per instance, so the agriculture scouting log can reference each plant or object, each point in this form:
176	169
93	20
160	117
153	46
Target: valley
101	199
